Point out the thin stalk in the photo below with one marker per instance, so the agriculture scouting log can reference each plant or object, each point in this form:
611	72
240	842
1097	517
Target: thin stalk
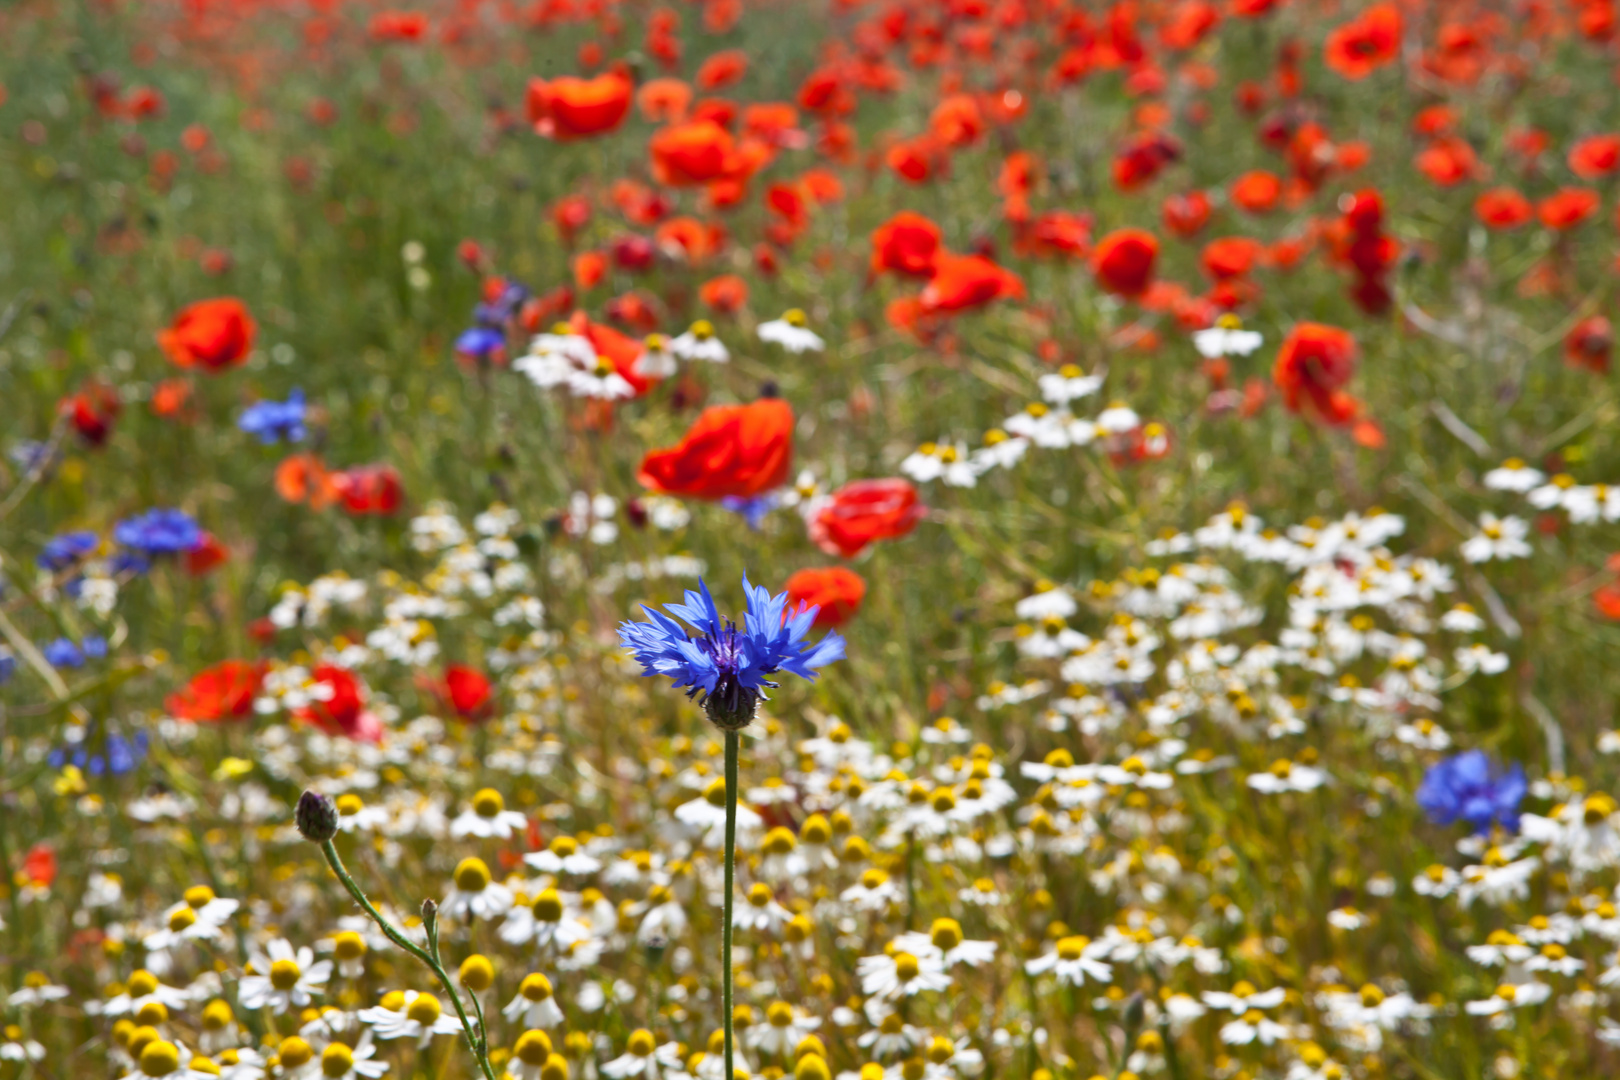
730	867
475	1042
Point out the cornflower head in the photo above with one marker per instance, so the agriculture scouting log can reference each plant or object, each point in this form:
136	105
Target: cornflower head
730	667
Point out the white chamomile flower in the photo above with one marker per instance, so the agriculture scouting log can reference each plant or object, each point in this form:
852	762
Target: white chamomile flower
1498	538
700	343
1226	338
290	979
643	1057
534	1006
563	856
409	1014
1514	475
1249	1007
792	332
944	942
1285	775
474	893
1073	960
1068	383
488	817
657	360
902	974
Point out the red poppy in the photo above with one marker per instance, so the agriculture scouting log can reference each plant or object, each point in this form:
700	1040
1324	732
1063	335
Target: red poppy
369	490
1142	158
1313	365
962	282
1057	232
92	411
1448	162
572	108
1607	600
907	243
835	590
1231	257
1257	192
39	866
1123	261
1567	208
1366	43
1595	156
303	477
170	398
664	100
724	294
685	155
338	706
1589	345
206	556
468	691
1502	208
722	69
863	511
211	334
222	692
741	450
621	350
1186	215
956	121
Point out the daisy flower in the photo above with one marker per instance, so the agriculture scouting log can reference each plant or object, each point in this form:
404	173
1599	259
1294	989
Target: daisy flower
700	343
945	943
534	1003
643	1057
1072	960
900	974
563	856
410	1015
474	894
791	332
488	817
1226	338
1498	538
291	979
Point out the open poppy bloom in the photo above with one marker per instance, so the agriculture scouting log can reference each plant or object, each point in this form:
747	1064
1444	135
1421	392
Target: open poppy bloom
963	282
1123	261
1502	208
1589	344
731	450
303	478
206	556
222	692
1567	208
571	108
1365	43
339	707
466	690
369	490
686	155
1595	156
213	335
906	244
862	511
835	590
92	411
1313	365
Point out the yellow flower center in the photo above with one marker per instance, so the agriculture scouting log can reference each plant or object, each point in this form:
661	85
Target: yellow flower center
294	1052
142	983
779	841
182	919
533	1047
906	967
795	317
946	934
779	1013
641	1043
477	973
536	987
336	1061
348	945
160	1058
424	1009
284	974
472	875
1072	947
548	906
488	802
198	895
350	804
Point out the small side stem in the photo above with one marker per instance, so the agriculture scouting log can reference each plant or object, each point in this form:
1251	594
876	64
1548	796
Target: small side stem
474	1041
730	870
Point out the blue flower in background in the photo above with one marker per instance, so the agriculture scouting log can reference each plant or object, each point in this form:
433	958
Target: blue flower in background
504	306
8	664
61	552
1473	788
159	532
753	508
116	755
730	667
94	646
63	653
273	421
480	343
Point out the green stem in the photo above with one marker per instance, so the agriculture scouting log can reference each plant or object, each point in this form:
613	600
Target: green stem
475	1041
725	930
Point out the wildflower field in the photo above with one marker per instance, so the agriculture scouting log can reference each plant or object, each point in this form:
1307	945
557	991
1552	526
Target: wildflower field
832	539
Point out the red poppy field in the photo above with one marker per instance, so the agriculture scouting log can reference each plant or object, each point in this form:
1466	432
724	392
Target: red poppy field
858	540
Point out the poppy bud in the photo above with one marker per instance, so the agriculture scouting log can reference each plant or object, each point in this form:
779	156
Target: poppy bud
316	817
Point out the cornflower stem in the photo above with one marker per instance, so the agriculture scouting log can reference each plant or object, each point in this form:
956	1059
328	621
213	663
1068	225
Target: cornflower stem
476	1041
730	859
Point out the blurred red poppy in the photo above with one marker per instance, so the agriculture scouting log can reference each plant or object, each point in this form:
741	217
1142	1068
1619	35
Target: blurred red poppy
1313	365
685	155
863	511
836	590
740	450
39	866
1567	208
1502	208
572	108
963	282
206	556
222	692
92	411
1123	261
906	244
1366	43
369	490
337	706
213	335
1589	345
1595	156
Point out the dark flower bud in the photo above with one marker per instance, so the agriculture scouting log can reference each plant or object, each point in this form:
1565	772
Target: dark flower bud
316	817
430	911
1135	1011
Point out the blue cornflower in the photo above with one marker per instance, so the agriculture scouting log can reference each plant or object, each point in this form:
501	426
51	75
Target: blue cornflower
61	552
505	305
63	653
8	664
730	667
159	532
480	343
275	420
1472	787
753	508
